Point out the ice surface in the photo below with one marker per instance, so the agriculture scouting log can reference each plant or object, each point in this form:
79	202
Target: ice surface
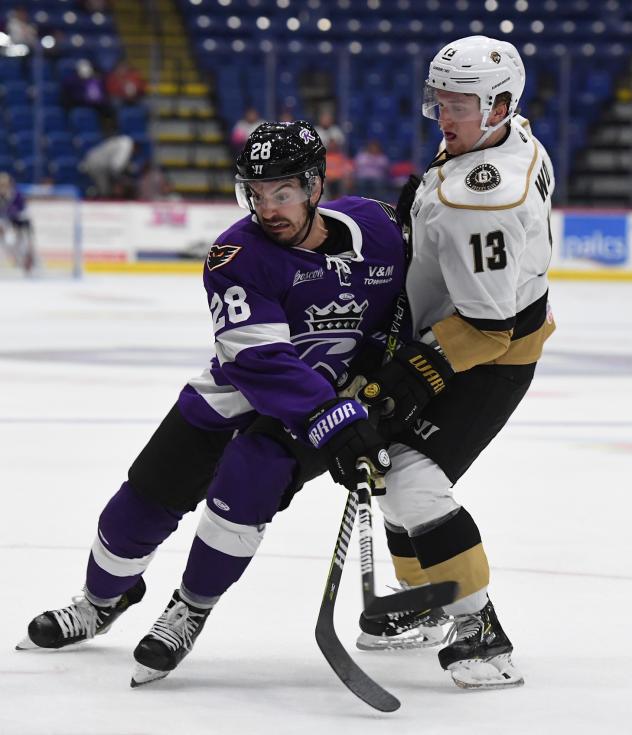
87	370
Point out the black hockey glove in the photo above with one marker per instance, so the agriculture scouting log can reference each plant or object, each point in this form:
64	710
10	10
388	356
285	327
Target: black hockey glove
406	199
416	374
341	429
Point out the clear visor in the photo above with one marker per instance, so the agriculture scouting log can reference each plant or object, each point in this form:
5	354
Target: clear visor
275	193
440	104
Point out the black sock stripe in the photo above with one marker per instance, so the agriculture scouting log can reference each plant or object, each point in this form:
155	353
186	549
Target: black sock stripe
399	543
456	535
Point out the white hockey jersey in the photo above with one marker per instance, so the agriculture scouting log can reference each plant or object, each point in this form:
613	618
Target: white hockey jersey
481	248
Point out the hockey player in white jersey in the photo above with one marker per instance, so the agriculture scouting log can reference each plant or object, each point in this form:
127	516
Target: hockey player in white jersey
478	294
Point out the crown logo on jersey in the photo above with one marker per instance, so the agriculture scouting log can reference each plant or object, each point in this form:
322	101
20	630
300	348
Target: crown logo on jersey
336	316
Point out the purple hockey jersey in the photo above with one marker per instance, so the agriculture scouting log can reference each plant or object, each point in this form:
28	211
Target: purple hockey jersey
13	208
288	321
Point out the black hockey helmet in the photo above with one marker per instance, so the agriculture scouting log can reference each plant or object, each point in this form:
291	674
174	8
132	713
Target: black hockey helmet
278	150
282	150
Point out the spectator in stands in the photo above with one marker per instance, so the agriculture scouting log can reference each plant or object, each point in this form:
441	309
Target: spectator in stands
85	88
286	115
328	130
16	231
372	171
125	84
339	171
106	163
243	127
153	184
20	29
399	173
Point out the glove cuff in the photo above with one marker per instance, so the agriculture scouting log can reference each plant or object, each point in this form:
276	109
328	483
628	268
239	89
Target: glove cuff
331	417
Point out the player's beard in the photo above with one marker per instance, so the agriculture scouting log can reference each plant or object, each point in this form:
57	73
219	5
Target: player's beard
289	236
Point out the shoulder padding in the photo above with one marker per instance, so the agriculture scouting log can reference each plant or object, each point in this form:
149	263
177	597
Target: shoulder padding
492	178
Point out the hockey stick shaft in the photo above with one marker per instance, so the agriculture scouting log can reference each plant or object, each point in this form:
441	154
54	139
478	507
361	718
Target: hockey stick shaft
365	518
345	668
414	599
418	598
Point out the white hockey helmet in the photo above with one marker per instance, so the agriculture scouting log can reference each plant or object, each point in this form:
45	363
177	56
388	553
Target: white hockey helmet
476	65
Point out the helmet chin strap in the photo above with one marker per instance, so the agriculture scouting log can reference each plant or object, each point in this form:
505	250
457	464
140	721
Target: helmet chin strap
488	131
311	214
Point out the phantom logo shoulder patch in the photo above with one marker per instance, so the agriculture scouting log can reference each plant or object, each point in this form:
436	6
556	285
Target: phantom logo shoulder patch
219	255
483	177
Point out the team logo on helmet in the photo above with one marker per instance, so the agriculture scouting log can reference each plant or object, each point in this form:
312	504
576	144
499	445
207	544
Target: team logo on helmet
219	255
307	136
495	57
483	178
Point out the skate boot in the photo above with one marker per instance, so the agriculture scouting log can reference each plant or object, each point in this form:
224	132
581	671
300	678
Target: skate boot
402	630
480	655
78	622
170	639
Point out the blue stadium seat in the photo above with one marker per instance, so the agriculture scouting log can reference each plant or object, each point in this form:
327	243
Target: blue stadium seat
86	140
84	119
600	83
24	169
132	119
16	92
23	142
64	170
6	163
10	69
54	118
49	94
106	60
20	117
66	67
59	144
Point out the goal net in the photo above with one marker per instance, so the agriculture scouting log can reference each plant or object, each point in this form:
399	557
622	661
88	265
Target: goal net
53	237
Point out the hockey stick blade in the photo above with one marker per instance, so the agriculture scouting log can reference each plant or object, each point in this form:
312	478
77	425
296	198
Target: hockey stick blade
350	674
419	598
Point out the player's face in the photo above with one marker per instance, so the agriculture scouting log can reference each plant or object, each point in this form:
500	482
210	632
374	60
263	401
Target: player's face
460	120
281	208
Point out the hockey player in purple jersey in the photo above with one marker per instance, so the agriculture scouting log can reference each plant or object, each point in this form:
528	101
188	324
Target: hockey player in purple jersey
293	290
16	230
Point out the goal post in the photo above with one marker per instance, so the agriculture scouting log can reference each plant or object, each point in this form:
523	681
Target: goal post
55	215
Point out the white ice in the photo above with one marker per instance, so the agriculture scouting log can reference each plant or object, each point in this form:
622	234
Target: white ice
88	368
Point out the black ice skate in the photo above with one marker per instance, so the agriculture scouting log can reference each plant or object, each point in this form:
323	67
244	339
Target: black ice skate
402	630
78	622
170	639
480	655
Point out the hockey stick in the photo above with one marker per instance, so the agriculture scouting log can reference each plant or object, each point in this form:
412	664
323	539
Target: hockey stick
415	599
345	668
418	598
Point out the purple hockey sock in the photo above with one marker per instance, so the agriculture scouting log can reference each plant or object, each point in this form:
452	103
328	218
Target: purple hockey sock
129	532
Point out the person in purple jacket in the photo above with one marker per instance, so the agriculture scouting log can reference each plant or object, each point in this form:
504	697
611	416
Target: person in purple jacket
294	290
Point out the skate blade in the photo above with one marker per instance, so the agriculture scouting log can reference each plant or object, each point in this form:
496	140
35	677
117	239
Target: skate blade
144	675
26	644
496	673
428	639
